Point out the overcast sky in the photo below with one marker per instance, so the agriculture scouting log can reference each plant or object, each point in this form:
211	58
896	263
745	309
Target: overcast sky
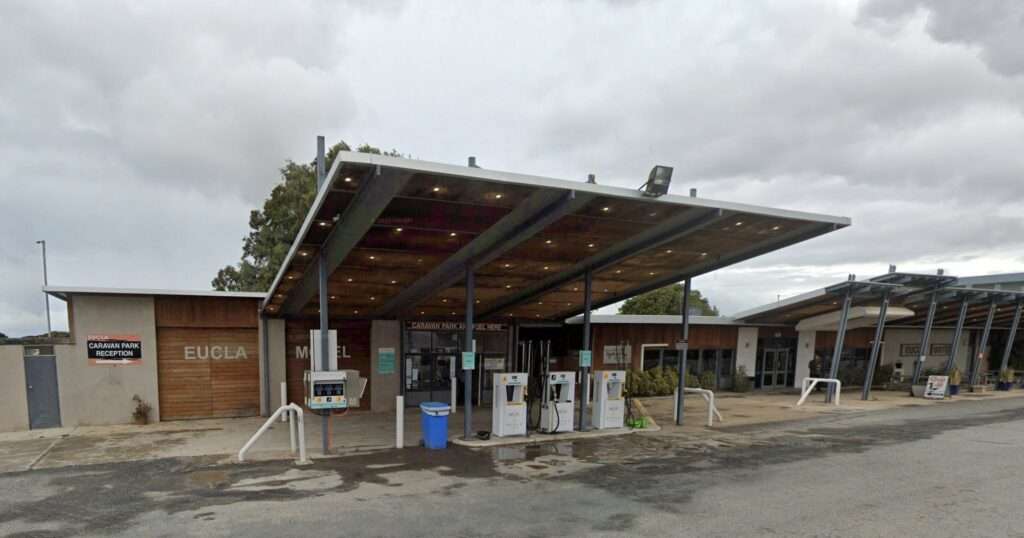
135	138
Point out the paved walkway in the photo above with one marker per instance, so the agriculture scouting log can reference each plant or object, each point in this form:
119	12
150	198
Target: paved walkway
359	432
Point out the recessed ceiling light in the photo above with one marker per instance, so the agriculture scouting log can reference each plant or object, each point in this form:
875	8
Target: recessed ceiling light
652	214
355	311
373	298
349	279
546	267
703	253
568	304
590	245
453	313
394	282
437	189
547	242
668	251
323	223
575	289
333	297
422	312
373	257
606	209
453	234
739	223
508	286
303	253
618	271
444	300
537	315
348	180
498	196
651	273
606	290
775	227
291	277
540	302
398	229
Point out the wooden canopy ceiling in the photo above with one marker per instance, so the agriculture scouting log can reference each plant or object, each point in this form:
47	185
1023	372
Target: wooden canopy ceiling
397	235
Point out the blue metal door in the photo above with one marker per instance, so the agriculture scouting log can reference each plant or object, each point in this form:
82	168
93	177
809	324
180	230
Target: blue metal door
41	385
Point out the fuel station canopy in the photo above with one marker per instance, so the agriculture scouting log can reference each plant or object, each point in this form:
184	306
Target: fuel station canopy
398	234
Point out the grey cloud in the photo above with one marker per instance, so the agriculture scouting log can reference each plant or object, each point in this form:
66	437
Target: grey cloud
994	27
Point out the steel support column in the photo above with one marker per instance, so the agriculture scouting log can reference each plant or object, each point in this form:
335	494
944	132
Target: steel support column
1011	336
467	373
684	349
837	351
876	346
926	336
983	343
321	176
588	282
957	334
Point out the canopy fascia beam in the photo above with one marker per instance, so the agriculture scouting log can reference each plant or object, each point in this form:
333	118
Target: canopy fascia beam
665	232
370	200
795	236
536	213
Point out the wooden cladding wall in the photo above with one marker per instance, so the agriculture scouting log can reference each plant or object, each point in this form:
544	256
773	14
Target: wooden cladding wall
206	312
701	336
206	373
855	338
353	336
207	357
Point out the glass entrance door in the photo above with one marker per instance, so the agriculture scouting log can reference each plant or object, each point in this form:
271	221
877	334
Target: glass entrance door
775	368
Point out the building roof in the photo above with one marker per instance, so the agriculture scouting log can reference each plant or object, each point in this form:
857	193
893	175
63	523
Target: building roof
609	319
908	290
397	235
62	292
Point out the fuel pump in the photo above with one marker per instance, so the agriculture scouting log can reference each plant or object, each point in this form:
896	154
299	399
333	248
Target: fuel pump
609	406
325	389
508	416
556	412
332	388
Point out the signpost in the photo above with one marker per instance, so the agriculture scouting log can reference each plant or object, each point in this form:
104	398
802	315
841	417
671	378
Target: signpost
586	358
936	387
386	360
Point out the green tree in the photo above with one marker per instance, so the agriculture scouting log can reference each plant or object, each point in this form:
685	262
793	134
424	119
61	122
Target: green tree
667	300
273	228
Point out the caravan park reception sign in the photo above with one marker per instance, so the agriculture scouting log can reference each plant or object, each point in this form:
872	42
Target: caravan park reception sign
114	349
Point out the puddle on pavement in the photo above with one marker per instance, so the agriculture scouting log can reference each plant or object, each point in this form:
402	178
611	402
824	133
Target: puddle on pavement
208	478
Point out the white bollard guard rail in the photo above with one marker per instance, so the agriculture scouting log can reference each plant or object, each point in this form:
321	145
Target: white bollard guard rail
709	399
296	421
809	383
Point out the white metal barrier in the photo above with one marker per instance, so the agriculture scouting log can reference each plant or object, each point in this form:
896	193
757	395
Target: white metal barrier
399	421
709	399
808	384
296	421
284	399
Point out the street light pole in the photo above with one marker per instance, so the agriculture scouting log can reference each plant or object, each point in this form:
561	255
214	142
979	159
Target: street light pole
46	282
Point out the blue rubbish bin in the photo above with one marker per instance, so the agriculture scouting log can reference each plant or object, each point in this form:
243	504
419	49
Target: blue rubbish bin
434	424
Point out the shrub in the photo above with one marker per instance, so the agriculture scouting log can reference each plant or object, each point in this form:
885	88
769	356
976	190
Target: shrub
142	409
707	380
741	382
